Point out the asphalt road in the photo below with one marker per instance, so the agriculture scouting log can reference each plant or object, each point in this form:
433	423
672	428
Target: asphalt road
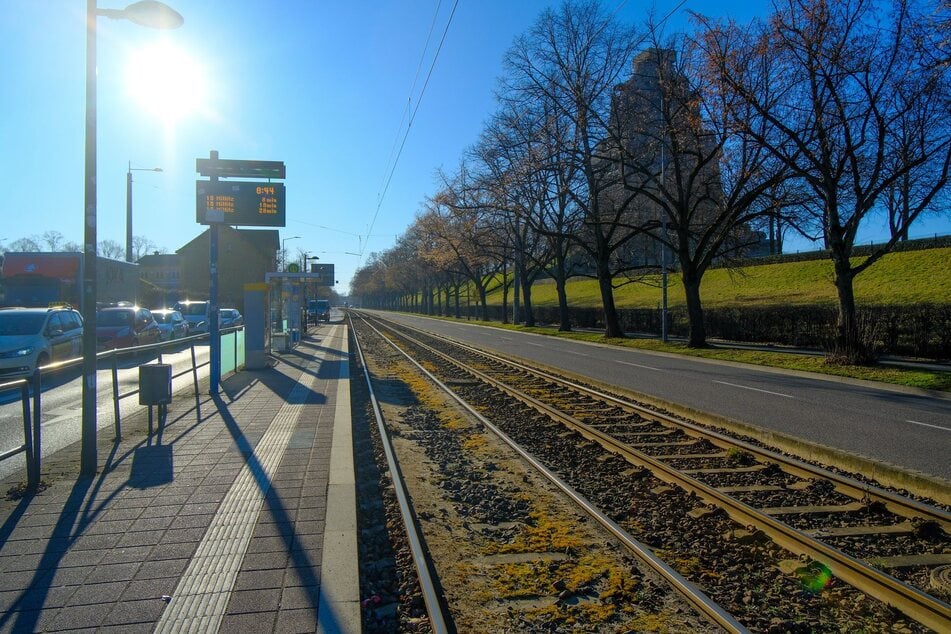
887	424
61	420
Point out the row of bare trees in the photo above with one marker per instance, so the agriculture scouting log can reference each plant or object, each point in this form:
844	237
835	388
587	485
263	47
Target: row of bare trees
819	119
55	241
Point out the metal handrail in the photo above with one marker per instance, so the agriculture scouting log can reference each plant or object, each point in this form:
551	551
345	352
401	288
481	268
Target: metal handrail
32	414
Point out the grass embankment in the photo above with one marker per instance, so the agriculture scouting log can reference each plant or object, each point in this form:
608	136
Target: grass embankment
910	277
899	278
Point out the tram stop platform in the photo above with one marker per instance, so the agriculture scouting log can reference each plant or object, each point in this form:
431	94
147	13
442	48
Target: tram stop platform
238	515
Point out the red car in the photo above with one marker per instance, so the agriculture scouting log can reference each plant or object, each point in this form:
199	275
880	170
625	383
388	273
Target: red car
125	327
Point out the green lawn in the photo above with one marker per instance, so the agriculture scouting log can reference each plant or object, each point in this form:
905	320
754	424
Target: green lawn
908	277
899	278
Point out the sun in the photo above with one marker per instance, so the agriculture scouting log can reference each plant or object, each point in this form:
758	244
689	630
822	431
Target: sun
166	82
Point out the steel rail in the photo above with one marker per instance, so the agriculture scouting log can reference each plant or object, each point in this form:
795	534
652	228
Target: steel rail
924	608
704	604
434	608
898	504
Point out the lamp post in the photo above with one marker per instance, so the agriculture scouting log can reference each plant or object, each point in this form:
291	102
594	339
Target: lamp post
148	13
284	251
128	206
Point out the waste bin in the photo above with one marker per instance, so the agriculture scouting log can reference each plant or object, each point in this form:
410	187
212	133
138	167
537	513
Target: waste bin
155	384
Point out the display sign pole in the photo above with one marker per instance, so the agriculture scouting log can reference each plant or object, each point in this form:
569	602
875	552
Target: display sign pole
213	335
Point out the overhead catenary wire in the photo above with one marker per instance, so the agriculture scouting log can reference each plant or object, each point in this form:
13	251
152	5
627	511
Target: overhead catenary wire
409	126
412	90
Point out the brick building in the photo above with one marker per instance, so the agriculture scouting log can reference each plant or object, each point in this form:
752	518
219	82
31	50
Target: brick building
244	256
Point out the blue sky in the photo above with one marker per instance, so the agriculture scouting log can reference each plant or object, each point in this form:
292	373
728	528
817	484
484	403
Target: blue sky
322	86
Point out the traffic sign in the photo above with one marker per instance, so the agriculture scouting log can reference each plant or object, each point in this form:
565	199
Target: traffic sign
257	204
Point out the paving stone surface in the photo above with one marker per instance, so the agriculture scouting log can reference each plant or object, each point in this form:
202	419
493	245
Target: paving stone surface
106	553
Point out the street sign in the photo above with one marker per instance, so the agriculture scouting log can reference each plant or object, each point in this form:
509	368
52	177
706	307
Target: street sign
325	273
225	168
256	204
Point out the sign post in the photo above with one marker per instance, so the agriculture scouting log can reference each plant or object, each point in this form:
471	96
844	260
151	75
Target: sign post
233	203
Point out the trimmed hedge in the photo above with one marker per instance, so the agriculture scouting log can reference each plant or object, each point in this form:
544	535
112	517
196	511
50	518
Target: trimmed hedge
920	331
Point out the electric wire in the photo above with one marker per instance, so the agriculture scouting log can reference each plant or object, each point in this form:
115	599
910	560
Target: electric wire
411	120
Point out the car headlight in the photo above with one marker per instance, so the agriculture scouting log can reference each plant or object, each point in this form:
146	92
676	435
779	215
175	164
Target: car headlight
19	352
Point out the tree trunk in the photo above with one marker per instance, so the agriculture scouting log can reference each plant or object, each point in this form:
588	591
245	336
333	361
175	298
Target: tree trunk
697	329
612	326
505	292
564	321
527	305
483	309
848	347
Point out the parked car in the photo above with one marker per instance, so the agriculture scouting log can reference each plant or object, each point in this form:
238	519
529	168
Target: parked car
197	313
229	317
171	322
125	327
32	337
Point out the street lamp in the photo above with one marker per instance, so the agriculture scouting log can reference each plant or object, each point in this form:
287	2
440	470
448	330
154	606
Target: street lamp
128	206
155	15
284	251
304	259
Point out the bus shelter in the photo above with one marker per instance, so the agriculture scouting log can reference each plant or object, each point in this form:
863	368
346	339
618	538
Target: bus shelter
287	307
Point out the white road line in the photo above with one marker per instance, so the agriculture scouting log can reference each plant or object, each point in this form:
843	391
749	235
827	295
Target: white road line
537	345
746	387
914	422
638	365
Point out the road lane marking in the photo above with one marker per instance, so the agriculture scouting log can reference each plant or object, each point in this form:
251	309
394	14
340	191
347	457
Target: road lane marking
638	365
914	422
755	389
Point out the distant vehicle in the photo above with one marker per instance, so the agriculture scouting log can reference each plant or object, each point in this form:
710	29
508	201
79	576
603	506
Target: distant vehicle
171	322
32	337
318	310
40	279
197	313
229	318
125	327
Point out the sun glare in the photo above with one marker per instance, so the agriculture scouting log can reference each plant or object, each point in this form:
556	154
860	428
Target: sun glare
166	82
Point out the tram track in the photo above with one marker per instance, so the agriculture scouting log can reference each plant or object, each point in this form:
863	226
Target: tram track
529	561
831	526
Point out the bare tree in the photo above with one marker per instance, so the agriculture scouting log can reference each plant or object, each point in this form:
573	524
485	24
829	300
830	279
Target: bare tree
854	103
141	245
25	244
53	239
570	60
111	249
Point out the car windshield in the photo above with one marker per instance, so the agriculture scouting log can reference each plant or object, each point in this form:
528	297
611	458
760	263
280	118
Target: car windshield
17	323
162	318
193	309
114	318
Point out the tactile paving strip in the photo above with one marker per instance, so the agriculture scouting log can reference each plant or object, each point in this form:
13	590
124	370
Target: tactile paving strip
201	598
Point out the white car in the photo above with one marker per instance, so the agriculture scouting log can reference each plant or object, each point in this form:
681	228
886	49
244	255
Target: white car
33	337
196	313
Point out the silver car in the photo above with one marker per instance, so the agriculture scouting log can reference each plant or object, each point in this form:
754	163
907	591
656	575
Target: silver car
33	337
171	323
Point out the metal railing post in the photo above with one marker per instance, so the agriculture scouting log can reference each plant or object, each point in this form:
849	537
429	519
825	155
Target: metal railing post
194	369
37	383
115	394
32	477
